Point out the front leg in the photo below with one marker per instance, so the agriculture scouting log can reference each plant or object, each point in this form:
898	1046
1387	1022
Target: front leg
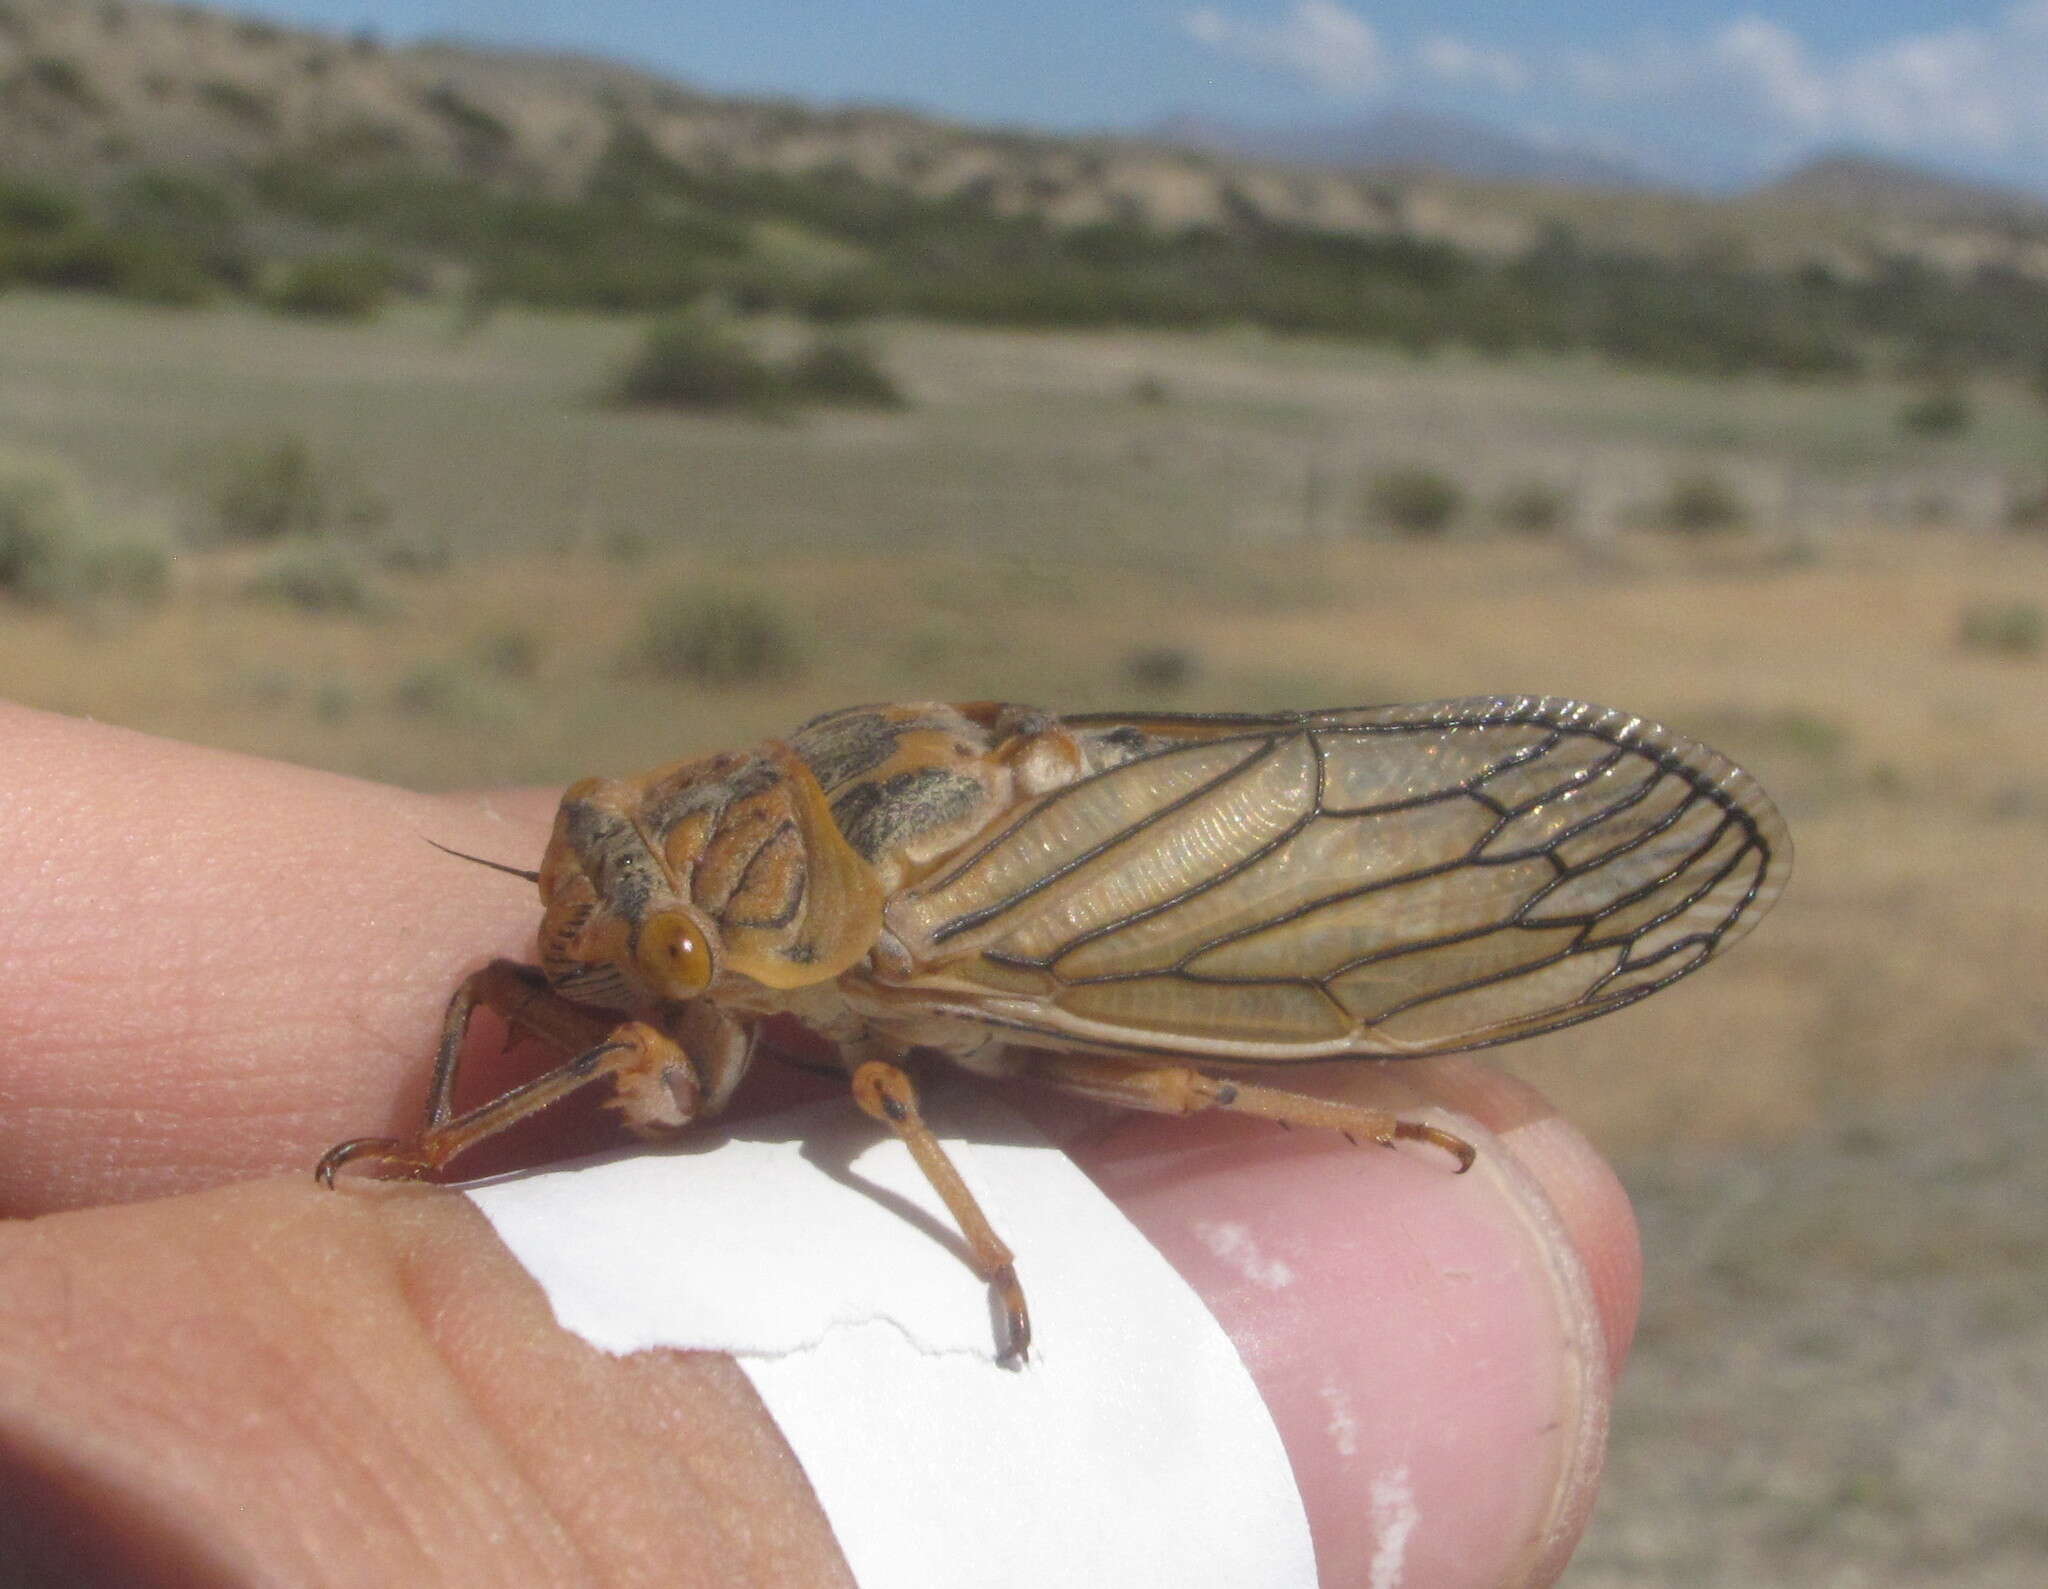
655	1083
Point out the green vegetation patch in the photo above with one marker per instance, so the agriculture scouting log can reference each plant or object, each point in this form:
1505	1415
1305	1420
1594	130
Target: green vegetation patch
721	636
1413	501
2003	629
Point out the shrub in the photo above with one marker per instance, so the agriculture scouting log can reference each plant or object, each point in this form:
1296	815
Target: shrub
266	491
53	548
479	131
1531	507
452	692
2026	508
315	579
1162	668
274	488
2003	628
157	269
734	636
698	360
843	369
333	286
64	79
239	103
1413	501
1150	390
1945	411
512	651
417	558
42	518
32	208
1702	504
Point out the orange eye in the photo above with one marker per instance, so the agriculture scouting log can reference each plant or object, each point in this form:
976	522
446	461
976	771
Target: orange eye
673	955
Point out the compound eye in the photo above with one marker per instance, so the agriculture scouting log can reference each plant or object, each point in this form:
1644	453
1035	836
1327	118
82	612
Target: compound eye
673	955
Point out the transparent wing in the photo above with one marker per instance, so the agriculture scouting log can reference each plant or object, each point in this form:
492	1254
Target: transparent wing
1392	880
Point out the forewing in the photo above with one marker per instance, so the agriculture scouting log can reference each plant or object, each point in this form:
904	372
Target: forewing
1393	880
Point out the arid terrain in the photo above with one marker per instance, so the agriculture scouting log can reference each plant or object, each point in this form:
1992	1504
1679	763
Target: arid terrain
429	549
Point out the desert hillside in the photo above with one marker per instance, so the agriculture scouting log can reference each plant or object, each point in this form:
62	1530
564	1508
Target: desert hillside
95	90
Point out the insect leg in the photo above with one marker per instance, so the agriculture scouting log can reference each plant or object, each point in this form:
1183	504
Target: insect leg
1184	1090
521	996
657	1090
884	1091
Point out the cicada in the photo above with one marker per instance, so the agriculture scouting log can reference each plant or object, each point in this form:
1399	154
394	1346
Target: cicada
1146	909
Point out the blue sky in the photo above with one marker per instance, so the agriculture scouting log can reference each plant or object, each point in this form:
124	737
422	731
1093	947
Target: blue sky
1704	92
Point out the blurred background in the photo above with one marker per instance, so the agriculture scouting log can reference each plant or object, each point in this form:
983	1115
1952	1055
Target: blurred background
475	394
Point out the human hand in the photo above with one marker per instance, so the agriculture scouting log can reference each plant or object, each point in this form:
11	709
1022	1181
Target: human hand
213	968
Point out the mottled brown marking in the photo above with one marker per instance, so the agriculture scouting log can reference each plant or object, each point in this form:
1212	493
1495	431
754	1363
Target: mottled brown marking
771	889
737	833
841	746
879	816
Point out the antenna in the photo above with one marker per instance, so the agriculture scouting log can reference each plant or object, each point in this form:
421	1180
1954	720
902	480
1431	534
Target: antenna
496	866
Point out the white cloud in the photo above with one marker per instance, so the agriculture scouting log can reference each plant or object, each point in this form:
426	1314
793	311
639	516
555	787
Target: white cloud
1455	61
1752	88
1775	64
1979	88
1329	45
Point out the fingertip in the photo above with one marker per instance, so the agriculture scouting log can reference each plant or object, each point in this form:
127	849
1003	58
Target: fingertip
1580	1185
1436	1349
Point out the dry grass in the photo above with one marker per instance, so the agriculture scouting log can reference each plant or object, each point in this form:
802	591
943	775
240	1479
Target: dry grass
1029	528
1912	769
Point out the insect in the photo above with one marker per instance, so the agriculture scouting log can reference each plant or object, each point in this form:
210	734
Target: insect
1144	909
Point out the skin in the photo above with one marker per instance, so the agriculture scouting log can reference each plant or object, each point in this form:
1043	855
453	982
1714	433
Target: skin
212	968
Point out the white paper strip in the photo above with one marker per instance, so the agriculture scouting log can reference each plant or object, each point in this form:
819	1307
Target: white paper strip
1134	1449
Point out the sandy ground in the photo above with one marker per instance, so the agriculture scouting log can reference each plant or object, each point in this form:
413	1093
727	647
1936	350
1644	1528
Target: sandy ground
1842	1377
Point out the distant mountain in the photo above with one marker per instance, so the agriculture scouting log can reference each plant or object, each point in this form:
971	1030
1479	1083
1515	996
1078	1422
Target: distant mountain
1407	140
1873	185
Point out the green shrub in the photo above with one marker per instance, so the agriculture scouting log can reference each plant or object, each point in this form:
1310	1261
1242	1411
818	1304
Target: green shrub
2003	628
64	79
842	368
42	519
274	488
54	549
1413	501
478	130
2026	508
732	636
512	651
419	558
333	286
316	579
32	208
1532	507
153	268
1163	669
1944	411
1702	504
145	266
698	360
452	692
266	491
238	103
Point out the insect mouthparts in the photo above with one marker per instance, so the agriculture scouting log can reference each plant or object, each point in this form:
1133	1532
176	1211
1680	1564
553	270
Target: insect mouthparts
496	866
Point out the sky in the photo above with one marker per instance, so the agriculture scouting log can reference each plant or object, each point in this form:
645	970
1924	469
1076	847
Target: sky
1687	90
